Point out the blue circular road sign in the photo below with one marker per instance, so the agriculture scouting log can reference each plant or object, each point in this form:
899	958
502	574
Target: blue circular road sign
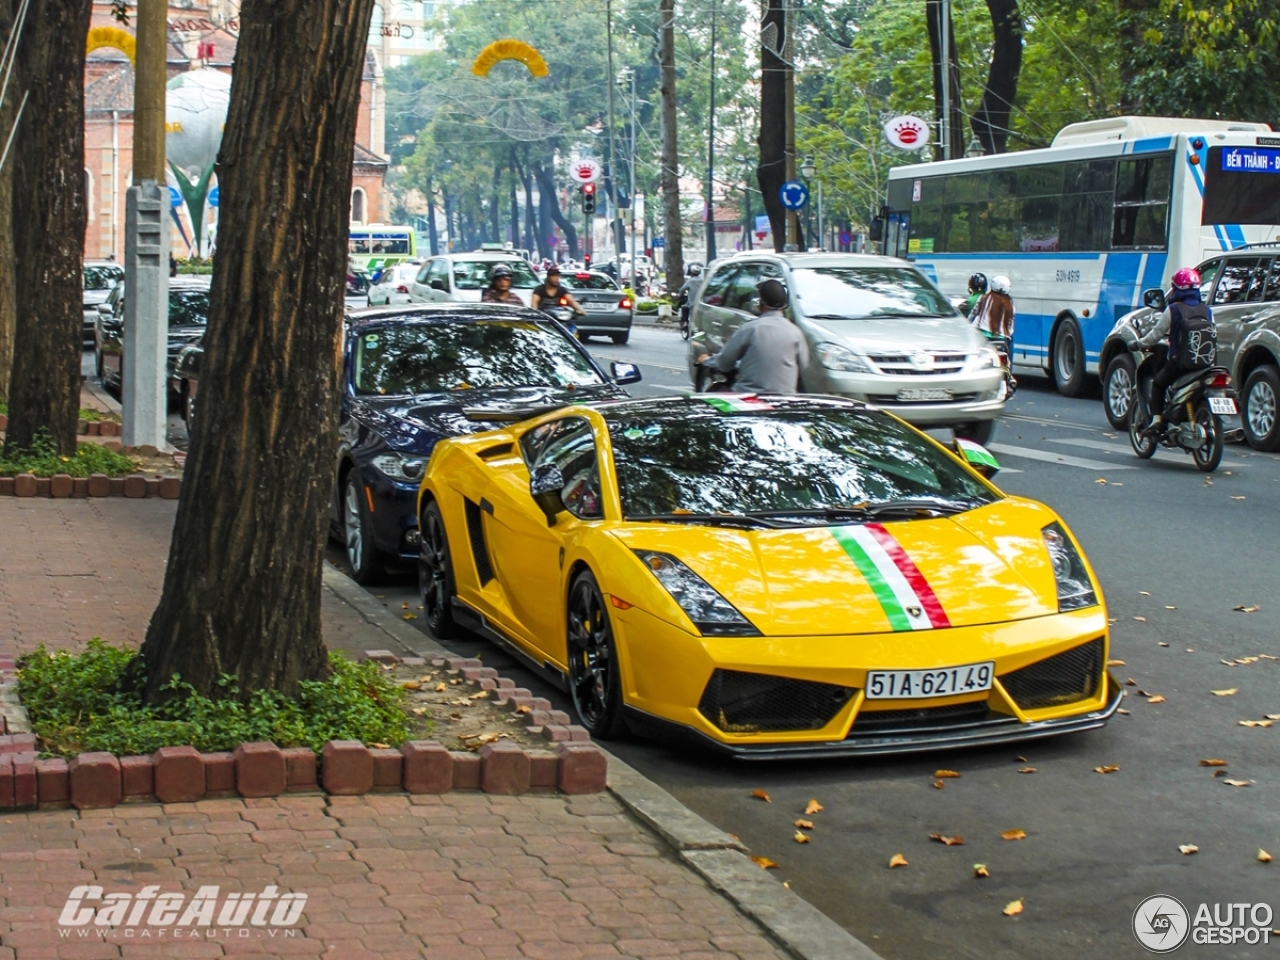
794	195
213	197
175	198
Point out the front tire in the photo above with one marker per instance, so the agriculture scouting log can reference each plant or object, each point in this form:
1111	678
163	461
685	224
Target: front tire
595	681
1144	444
1259	415
1117	390
1208	456
1068	359
435	574
362	555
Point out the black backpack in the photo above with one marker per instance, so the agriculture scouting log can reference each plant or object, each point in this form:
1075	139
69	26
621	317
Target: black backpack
1193	339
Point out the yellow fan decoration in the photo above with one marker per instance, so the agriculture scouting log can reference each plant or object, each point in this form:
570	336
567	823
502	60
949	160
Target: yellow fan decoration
509	50
113	37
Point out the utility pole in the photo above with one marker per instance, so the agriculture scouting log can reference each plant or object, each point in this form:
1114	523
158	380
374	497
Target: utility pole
673	231
615	224
711	144
631	193
146	246
944	42
789	56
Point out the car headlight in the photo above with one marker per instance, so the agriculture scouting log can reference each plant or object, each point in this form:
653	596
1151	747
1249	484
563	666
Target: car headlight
711	613
399	466
1075	589
985	359
835	357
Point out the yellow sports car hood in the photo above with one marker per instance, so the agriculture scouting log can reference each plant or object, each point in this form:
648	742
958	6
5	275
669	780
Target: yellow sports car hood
984	566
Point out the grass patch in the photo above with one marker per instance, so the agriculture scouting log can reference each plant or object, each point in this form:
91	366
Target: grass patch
90	458
87	415
75	706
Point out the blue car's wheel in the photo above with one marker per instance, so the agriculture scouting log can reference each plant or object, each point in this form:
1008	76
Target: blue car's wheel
595	682
357	532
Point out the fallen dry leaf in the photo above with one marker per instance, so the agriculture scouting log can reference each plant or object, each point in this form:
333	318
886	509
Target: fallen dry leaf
1236	783
804	824
1188	849
409	616
1027	770
939	785
1130	682
524	708
812	807
1110	768
1020	759
1144	593
946	774
1229	692
956	841
1013	909
787	884
1102	480
410	685
1267	656
441	687
1014	835
1247	609
801	837
761	795
1141	619
980	870
1213	763
1123	710
380	746
897	860
1263	856
1163	644
1155	698
1237	498
1219	773
1167	607
764	863
1116	663
1255	723
483	694
419	711
404	606
426	678
1272	716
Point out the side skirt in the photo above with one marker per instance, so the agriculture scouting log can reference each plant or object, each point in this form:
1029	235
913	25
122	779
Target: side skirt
478	622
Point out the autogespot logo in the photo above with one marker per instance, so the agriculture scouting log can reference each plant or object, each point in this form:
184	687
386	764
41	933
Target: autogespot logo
1161	924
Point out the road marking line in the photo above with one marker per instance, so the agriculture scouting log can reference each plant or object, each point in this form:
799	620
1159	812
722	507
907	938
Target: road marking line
1048	456
1051	423
1091	444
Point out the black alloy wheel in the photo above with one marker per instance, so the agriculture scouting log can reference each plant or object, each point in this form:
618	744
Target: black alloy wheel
1209	454
1259	415
1117	390
595	682
435	574
1068	362
358	533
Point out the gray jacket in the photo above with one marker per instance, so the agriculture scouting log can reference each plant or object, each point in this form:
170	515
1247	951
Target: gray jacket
769	353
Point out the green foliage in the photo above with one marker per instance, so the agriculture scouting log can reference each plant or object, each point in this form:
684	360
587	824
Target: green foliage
90	458
89	701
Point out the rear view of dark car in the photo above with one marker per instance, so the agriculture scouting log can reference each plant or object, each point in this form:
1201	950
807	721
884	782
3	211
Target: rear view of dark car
609	308
188	315
100	278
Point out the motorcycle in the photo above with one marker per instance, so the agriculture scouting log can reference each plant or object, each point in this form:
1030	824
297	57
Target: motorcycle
684	306
1195	404
1002	346
357	282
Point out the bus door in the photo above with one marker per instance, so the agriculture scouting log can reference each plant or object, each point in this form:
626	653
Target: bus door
895	231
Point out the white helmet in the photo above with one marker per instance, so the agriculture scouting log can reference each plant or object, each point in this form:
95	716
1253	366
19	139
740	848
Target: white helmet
1001	284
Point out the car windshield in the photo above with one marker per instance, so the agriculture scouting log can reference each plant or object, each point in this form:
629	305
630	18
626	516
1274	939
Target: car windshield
474	274
188	308
702	461
588	281
860	293
422	358
102	278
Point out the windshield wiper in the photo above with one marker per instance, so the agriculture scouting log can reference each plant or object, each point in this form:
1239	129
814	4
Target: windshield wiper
834	514
921	507
744	520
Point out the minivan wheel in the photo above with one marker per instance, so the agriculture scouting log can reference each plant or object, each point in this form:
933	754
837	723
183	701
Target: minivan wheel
1117	390
1259	415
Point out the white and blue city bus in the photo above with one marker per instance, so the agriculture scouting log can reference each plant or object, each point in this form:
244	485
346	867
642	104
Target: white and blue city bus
1082	227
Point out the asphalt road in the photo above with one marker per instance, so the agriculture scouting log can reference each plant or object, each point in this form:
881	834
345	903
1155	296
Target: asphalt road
1175	553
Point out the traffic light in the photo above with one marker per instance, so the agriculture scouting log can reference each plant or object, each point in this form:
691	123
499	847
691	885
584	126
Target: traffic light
588	198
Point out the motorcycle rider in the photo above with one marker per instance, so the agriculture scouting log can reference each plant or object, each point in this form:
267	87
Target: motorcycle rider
688	293
552	292
768	352
1187	322
977	287
499	289
993	313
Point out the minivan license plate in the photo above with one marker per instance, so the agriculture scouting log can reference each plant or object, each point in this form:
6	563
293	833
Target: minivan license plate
1222	405
923	393
918	684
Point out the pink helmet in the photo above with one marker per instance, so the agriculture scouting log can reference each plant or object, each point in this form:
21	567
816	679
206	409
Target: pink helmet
1186	278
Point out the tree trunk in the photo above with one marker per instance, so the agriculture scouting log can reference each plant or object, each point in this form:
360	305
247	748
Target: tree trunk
771	173
242	588
450	220
535	240
515	203
432	233
673	225
48	226
494	207
955	118
549	189
991	122
8	290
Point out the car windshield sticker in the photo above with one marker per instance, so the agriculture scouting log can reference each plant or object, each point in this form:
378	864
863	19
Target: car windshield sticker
727	403
652	431
976	453
633	433
906	597
371	340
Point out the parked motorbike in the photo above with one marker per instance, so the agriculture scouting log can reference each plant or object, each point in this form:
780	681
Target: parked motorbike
357	282
1195	404
1002	346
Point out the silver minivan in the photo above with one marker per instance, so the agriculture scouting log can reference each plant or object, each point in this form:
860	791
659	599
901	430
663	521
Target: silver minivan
878	331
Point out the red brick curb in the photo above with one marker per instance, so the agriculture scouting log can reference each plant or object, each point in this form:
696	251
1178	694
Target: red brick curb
134	486
84	428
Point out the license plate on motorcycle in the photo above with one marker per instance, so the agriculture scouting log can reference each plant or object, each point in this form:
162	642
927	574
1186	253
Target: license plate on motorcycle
918	684
1222	405
918	394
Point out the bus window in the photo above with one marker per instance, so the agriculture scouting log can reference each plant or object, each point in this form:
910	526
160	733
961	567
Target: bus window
1241	186
1142	202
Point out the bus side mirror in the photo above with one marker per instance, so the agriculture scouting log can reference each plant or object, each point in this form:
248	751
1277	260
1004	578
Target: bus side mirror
1153	298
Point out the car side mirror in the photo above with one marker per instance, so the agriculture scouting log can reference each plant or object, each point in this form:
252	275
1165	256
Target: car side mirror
624	372
437	284
753	306
977	456
105	309
545	486
1153	298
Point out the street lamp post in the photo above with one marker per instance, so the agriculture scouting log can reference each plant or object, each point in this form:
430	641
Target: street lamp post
631	167
808	170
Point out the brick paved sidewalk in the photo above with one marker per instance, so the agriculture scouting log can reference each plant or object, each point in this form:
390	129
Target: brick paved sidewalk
453	877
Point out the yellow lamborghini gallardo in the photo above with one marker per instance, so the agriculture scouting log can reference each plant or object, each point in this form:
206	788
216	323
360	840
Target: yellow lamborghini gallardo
769	576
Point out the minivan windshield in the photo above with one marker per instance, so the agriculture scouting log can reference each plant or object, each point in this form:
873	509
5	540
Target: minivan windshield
863	293
474	274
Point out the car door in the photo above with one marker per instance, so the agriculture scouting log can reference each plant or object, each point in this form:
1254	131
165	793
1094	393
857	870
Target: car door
527	554
711	315
1237	292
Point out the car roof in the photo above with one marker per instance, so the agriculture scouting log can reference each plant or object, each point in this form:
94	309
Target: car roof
457	312
104	263
802	260
495	255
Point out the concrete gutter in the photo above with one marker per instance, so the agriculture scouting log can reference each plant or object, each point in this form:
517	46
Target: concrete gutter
722	860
